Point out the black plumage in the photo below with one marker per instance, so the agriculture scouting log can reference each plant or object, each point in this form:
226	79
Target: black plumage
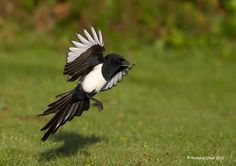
85	62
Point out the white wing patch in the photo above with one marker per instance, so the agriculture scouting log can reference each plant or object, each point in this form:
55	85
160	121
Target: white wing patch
115	79
84	44
94	80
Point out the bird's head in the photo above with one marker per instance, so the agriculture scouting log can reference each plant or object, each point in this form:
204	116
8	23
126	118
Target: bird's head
114	63
116	60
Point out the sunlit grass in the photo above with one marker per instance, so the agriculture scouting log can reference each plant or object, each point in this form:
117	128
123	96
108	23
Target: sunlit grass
173	104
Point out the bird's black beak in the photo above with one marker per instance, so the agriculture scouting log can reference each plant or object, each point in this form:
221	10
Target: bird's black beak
125	63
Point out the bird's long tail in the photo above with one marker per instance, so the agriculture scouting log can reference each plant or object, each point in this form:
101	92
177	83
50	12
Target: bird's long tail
66	107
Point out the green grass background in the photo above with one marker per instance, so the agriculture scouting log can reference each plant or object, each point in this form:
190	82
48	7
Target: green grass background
176	102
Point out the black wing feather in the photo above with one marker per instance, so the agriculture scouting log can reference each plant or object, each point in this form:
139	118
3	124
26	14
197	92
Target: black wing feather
117	77
84	63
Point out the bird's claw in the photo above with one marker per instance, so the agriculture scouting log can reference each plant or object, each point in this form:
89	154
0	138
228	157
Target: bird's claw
98	105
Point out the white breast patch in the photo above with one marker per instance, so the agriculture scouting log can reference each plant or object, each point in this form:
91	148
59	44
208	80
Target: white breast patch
94	80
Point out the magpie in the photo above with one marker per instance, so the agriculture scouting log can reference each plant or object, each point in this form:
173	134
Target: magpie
95	73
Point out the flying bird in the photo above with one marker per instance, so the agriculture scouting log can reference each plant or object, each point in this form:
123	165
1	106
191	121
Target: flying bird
95	73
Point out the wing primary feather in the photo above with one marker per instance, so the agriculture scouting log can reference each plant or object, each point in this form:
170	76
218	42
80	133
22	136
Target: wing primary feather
77	44
75	49
73	68
116	78
84	54
88	36
94	35
120	76
100	37
83	40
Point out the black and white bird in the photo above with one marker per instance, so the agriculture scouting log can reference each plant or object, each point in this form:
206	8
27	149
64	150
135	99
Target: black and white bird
85	62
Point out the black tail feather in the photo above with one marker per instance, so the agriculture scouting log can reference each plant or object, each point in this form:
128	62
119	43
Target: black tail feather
71	116
54	107
65	108
62	94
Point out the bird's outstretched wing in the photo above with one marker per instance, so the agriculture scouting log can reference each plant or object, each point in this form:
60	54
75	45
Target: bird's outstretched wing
117	77
85	55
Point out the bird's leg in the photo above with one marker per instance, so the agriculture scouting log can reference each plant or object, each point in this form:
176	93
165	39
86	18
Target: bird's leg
97	104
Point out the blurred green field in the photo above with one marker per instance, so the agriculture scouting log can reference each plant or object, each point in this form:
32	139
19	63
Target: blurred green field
175	103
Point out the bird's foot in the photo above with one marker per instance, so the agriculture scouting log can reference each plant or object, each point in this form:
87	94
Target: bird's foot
99	105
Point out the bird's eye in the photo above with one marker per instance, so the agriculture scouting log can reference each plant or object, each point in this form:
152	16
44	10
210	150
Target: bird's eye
116	61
